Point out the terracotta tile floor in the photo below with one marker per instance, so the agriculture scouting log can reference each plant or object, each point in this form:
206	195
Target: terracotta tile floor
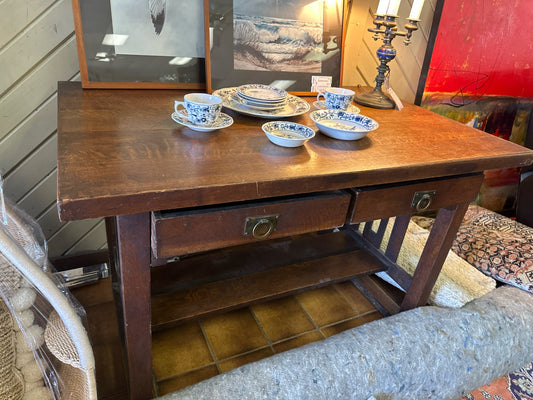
199	350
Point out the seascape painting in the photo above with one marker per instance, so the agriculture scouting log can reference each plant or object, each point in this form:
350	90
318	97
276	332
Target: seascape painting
273	35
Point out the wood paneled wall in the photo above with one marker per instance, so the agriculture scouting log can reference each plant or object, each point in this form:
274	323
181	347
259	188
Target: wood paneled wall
38	49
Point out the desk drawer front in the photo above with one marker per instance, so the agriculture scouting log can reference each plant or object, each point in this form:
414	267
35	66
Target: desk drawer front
393	200
185	232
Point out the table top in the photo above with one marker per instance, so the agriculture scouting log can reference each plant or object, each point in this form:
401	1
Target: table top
119	152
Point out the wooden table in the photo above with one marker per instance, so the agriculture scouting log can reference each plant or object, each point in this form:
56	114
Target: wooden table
167	191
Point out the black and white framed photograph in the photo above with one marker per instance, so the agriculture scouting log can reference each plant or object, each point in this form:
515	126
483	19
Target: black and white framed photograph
295	45
141	43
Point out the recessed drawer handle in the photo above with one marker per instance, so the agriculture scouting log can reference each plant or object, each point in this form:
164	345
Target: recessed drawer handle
422	200
261	227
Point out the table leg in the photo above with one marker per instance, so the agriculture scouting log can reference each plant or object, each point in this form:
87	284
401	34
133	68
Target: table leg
435	251
129	243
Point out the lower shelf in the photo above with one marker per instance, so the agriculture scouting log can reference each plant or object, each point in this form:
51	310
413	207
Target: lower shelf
385	297
227	294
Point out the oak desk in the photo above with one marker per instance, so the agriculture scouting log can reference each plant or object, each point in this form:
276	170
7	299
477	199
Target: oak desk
167	191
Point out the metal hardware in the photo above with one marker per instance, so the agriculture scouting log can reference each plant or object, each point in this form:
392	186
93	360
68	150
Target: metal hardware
261	227
82	276
422	200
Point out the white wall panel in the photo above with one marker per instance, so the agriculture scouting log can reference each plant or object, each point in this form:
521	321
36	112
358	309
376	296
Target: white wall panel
69	235
29	134
36	87
32	170
91	241
40	38
41	196
38	49
17	15
49	221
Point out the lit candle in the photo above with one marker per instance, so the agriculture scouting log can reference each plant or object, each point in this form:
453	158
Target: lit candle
382	7
416	10
394	5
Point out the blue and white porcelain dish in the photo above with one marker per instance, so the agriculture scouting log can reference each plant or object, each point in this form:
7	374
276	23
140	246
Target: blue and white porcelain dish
293	105
202	108
262	102
258	106
223	121
261	92
287	134
351	108
336	98
343	125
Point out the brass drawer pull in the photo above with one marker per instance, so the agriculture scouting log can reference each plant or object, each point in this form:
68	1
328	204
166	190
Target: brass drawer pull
261	227
422	200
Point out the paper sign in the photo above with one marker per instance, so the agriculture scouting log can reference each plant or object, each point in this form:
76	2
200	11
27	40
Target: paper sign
320	83
392	94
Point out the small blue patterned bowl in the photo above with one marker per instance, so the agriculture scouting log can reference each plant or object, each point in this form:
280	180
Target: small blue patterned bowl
343	125
287	134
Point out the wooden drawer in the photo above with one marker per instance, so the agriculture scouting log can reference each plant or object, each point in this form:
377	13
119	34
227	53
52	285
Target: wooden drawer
193	230
387	201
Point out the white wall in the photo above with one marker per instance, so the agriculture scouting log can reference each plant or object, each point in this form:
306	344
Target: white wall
38	49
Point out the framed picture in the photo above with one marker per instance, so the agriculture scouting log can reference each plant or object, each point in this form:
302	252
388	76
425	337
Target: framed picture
140	43
295	45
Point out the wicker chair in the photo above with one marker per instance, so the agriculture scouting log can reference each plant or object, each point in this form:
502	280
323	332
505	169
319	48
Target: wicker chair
45	323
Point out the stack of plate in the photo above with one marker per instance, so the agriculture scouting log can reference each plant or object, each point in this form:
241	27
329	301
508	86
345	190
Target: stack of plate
262	101
261	97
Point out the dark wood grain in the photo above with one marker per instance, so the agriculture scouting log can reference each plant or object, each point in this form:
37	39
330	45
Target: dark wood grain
386	297
401	277
393	250
121	156
375	237
246	259
133	273
192	231
119	152
225	295
387	201
401	223
432	258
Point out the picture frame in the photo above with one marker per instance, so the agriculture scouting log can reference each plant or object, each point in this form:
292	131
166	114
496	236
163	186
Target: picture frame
139	44
275	42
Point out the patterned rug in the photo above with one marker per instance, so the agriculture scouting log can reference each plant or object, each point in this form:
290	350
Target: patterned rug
517	385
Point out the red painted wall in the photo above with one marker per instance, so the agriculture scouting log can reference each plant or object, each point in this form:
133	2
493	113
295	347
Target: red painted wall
484	47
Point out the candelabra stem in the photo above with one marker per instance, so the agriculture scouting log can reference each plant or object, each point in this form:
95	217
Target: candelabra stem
376	98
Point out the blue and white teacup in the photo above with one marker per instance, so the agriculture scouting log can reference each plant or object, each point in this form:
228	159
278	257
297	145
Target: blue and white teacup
336	98
202	108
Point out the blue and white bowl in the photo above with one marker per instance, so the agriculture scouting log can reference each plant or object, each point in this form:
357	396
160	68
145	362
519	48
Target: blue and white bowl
287	134
343	125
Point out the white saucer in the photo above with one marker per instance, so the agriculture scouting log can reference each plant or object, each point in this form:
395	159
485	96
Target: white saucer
351	108
266	93
223	121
